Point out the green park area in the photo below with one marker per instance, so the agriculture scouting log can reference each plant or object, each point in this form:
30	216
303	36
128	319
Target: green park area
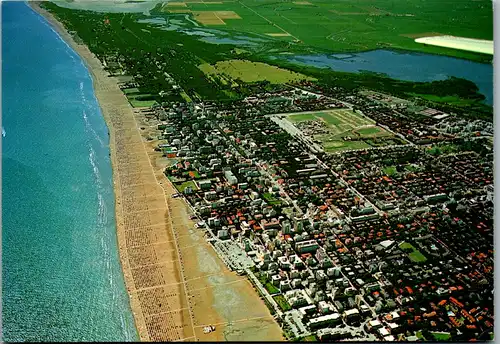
282	303
271	199
414	254
182	186
441	336
267	284
390	170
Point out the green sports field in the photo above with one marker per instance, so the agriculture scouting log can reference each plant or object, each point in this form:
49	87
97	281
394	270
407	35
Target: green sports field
339	121
342	123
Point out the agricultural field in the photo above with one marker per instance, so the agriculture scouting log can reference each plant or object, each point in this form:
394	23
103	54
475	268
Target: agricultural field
248	71
345	129
342	26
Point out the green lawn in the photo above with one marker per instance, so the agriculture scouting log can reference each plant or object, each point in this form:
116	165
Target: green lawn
406	245
186	97
301	117
271	199
340	145
310	338
183	186
142	103
271	288
417	257
329	117
441	336
280	300
268	285
390	170
130	90
412	168
414	256
448	99
368	131
135	102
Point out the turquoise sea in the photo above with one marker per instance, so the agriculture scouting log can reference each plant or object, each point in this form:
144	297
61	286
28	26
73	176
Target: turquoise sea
61	275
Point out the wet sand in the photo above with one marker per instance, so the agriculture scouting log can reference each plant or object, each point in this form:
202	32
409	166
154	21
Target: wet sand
176	282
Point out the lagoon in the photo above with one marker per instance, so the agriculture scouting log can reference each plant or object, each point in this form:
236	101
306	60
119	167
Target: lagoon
407	66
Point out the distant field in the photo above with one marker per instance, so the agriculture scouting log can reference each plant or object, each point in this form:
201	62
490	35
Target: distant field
351	26
248	71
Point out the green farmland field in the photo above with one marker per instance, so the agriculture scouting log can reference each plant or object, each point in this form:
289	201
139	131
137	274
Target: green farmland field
248	71
342	25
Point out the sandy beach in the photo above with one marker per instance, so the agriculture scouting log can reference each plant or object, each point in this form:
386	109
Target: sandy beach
175	281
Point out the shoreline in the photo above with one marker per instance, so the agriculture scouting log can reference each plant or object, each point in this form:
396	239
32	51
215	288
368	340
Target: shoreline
171	298
96	72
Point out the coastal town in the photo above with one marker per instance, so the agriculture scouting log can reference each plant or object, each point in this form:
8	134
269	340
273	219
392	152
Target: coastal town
389	239
251	170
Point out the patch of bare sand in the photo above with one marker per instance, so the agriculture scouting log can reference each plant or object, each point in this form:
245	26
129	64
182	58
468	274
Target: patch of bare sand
238	314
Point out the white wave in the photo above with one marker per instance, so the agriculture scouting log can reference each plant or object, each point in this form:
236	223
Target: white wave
92	160
101	212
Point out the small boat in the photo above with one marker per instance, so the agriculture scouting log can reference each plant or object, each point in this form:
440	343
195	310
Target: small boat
3	132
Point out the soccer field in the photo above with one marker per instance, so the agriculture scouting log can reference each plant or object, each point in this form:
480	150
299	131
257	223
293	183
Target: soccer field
339	121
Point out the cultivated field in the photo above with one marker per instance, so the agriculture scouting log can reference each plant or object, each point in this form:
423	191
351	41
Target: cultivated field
345	25
248	71
344	129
